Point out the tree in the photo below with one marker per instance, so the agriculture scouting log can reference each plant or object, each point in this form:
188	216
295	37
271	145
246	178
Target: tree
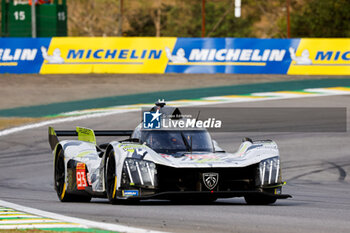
321	18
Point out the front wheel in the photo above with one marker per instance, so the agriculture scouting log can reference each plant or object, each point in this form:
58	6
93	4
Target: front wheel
111	178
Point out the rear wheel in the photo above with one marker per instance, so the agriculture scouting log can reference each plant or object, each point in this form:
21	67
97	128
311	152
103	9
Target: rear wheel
259	200
60	184
111	178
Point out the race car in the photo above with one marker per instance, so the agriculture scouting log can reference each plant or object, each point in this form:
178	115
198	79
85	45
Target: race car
163	163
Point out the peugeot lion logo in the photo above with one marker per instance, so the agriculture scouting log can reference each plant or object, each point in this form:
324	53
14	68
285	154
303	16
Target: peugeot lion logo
210	180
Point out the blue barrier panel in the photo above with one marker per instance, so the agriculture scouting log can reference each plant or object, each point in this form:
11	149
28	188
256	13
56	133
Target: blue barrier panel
59	55
21	55
229	55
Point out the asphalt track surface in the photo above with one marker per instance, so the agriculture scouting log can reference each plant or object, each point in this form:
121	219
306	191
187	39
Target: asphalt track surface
315	166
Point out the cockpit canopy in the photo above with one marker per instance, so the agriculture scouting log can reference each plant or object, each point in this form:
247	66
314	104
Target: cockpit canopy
173	141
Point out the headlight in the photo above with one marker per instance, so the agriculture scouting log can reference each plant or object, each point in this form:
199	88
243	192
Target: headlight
140	172
270	171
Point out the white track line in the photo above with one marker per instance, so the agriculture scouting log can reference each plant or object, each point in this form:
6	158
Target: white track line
194	103
9	212
88	223
60	120
28	221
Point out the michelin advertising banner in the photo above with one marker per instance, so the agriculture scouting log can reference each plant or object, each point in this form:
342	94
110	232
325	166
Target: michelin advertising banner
175	55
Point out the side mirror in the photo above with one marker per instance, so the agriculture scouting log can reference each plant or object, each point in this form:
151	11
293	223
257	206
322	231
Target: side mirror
217	148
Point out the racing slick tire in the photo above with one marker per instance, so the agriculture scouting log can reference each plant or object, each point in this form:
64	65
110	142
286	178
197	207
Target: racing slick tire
111	178
259	200
60	185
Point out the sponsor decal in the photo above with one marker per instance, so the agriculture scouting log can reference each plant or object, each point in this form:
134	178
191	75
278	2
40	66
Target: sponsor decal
106	55
246	55
100	54
300	60
55	58
230	55
152	120
21	55
132	147
81	176
130	193
210	180
7	54
179	55
192	123
80	166
321	56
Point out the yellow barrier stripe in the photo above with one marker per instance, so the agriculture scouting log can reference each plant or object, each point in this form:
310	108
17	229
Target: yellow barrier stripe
8	63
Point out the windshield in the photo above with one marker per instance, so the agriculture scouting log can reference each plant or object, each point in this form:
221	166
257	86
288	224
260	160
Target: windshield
173	141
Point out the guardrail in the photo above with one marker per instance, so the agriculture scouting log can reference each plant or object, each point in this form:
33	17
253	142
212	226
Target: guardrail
59	55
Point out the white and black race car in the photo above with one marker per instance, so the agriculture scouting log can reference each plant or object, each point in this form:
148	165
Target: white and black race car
171	163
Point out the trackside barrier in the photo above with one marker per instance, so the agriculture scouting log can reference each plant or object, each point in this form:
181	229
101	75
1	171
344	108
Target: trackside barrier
59	55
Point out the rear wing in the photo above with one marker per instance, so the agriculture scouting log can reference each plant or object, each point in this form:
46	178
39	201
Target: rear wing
84	134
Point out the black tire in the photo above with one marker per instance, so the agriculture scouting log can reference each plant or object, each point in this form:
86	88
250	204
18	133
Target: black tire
259	200
110	178
60	186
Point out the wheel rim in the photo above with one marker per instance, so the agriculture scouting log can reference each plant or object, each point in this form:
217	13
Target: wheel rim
110	175
59	175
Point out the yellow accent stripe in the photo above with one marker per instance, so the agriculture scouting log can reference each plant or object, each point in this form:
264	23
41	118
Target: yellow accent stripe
243	96
339	88
294	92
277	185
19	214
115	186
26	219
190	101
41	223
64	190
8	63
220	63
82	154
